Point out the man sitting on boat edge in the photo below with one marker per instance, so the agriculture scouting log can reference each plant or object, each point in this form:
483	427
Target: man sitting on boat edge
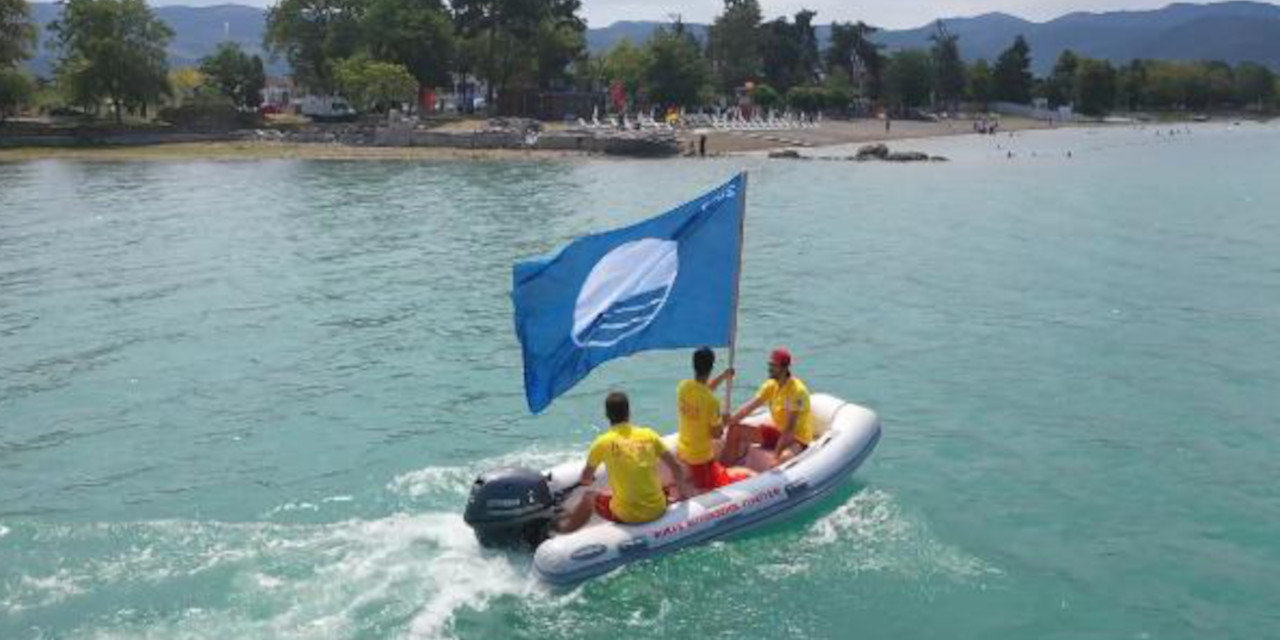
701	424
630	455
792	417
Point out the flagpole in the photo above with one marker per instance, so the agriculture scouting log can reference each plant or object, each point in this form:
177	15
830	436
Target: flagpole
737	285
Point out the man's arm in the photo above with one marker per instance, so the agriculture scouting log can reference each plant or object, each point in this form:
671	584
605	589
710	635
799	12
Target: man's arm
746	410
676	472
727	374
588	476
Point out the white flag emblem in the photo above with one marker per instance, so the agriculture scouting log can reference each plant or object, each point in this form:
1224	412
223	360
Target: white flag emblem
625	291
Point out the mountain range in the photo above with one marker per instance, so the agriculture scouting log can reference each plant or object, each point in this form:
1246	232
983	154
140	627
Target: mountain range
1229	31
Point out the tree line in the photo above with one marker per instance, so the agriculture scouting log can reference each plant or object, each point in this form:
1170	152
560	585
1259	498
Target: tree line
378	52
114	53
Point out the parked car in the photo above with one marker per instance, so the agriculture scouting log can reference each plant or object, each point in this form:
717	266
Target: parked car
327	109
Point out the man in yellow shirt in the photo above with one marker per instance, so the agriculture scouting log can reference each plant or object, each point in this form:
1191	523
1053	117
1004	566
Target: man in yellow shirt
701	424
630	455
788	400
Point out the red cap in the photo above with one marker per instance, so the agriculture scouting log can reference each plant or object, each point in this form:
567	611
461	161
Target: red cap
780	357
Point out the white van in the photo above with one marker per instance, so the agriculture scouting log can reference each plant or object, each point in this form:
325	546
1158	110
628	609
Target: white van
327	109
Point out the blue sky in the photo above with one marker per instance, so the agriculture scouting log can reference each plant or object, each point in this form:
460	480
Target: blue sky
894	14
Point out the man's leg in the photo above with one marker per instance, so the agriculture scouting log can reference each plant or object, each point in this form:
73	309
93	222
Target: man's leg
737	443
580	515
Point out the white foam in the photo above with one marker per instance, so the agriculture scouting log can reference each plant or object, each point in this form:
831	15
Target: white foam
34	592
4	531
455	481
292	507
874	534
339	580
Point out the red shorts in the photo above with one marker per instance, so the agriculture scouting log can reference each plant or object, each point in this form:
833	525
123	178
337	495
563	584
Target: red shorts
770	435
602	507
712	475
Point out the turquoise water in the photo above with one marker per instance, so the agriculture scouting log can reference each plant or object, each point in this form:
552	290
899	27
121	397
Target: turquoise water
245	399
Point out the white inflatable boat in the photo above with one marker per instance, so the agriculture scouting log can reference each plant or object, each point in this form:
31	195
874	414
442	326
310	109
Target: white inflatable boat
844	435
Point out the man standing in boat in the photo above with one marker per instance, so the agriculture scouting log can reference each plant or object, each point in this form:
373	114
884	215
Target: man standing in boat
788	400
701	424
630	455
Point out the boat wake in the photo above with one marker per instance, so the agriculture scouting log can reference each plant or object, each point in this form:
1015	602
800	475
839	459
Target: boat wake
406	575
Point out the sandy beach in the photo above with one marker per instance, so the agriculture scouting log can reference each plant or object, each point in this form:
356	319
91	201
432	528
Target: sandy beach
845	132
828	133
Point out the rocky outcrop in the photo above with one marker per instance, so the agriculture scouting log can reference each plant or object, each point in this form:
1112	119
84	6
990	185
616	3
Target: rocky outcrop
522	133
785	154
872	152
906	156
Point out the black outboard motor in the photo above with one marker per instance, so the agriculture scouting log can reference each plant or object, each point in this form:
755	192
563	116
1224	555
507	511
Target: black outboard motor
510	507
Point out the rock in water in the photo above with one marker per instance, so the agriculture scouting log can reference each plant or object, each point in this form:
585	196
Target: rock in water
907	156
789	154
873	152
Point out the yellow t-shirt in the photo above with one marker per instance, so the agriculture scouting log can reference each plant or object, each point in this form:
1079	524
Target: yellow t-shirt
792	397
630	454
699	417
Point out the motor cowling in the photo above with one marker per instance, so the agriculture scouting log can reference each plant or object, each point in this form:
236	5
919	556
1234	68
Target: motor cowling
510	507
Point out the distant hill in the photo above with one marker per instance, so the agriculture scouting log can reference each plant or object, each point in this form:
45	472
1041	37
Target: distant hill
604	38
1228	31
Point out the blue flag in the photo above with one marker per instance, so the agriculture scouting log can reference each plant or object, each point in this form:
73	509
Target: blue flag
664	283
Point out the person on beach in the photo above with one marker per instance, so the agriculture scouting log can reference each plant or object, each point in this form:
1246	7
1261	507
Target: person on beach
701	424
791	430
630	455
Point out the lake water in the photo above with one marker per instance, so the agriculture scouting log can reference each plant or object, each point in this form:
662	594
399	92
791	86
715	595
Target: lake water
245	399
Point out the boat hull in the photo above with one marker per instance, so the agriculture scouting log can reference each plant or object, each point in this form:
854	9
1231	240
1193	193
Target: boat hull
848	434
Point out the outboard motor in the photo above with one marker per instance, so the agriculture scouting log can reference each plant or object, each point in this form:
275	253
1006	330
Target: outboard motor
510	507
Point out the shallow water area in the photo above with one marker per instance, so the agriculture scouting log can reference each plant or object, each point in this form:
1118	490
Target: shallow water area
246	399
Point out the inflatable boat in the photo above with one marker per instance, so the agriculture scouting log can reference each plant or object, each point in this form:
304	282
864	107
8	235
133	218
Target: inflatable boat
515	507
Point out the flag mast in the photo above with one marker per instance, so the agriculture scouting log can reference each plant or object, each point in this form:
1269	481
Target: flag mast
737	286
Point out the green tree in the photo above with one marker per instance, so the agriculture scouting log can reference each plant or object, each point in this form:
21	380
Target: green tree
556	46
807	99
908	78
1220	82
840	93
1255	85
236	75
372	85
311	34
113	50
1131	85
789	51
1095	87
16	92
508	31
979	84
588	72
415	33
17	34
766	97
948	68
1012	73
810	65
735	44
1060	85
852	53
626	63
676	73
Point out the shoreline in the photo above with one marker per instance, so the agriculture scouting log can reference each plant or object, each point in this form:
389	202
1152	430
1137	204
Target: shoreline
831	133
